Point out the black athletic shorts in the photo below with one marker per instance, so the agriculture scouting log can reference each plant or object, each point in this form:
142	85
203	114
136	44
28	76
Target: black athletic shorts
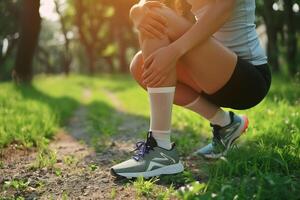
247	87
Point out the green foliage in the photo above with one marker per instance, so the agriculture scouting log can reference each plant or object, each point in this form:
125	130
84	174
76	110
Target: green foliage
31	114
70	160
19	185
92	167
9	18
144	187
45	158
148	189
193	191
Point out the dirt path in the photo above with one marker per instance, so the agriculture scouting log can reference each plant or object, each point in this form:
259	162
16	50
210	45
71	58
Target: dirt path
77	171
71	168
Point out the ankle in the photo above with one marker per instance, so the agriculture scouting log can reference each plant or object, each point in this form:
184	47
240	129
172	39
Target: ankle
221	118
163	140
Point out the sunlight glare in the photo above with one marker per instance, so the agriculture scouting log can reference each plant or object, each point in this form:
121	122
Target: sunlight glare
296	8
275	7
4	46
47	10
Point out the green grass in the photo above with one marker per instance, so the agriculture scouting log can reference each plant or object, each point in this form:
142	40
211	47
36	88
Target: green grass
16	184
45	158
30	115
147	188
266	165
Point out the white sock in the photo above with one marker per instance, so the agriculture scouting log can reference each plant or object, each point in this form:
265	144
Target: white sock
163	139
205	108
161	103
221	118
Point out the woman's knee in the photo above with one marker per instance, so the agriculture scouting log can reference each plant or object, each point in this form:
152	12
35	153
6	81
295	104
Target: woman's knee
136	68
136	64
176	24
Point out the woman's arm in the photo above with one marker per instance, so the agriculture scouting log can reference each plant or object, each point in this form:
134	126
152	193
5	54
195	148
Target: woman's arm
215	16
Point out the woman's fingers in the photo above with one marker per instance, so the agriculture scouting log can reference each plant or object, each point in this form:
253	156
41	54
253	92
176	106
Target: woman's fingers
153	82
147	73
159	18
159	83
158	26
146	32
152	22
153	4
153	31
148	61
149	77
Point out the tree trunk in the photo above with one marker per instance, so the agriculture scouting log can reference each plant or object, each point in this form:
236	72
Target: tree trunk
30	23
43	56
91	61
122	53
110	62
291	36
272	49
66	58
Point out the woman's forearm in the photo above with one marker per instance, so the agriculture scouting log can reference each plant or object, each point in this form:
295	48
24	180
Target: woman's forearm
215	16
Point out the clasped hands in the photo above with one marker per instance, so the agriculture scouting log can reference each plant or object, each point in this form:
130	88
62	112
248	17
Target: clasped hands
159	64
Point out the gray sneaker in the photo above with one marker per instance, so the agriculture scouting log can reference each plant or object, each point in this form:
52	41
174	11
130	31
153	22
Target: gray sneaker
149	160
224	137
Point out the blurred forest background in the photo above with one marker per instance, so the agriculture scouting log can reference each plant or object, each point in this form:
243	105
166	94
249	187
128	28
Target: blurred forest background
96	36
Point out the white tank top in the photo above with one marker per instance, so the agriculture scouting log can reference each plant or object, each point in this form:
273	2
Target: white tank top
239	33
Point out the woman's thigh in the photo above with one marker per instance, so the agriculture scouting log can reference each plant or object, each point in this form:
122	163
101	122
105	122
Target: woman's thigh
210	64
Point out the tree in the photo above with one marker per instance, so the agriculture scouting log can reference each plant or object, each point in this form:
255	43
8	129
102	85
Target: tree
9	34
67	57
30	23
122	29
281	28
272	31
290	21
104	30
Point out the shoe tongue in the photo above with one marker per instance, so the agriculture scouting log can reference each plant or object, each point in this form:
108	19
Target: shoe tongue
231	114
216	129
214	126
150	140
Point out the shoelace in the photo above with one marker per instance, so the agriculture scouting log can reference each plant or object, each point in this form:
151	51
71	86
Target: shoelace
141	149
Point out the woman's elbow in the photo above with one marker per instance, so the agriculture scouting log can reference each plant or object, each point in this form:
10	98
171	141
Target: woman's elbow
228	5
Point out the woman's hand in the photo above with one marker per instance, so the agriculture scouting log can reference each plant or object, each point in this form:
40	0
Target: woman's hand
158	66
149	22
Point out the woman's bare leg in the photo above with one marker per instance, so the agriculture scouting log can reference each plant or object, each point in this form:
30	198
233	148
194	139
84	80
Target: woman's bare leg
161	96
186	89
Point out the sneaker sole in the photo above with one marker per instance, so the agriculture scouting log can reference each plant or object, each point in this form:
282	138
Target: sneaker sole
242	129
170	169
